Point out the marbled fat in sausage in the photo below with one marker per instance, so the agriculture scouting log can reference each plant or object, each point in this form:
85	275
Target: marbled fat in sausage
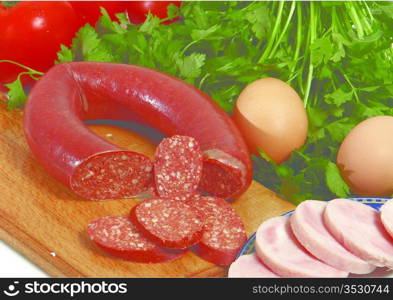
224	233
118	236
169	223
178	167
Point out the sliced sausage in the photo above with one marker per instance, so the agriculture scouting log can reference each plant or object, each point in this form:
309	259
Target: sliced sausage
387	216
152	191
250	265
194	197
111	175
221	166
358	228
169	223
178	167
223	232
278	248
70	93
120	237
308	226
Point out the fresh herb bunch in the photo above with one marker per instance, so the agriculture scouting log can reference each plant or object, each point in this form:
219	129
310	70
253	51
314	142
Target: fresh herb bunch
337	55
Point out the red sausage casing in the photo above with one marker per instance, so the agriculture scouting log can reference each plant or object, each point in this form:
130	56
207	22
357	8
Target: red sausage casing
72	92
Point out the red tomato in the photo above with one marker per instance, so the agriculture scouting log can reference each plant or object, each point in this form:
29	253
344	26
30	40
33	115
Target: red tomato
2	9
89	11
31	34
137	10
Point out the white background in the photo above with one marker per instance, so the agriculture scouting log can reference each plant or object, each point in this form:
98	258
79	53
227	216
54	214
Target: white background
13	264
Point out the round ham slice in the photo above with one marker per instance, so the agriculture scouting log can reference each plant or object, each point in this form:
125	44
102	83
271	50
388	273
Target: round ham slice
387	216
358	228
249	266
278	248
308	226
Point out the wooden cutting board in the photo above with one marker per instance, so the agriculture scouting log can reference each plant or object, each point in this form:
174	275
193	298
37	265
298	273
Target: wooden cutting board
46	222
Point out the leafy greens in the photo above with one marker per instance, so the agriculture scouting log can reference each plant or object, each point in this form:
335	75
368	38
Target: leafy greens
337	55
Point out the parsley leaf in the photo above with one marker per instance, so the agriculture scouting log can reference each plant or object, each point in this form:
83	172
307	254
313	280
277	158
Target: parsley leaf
335	182
338	97
190	66
64	55
16	94
150	24
322	50
172	11
260	20
88	46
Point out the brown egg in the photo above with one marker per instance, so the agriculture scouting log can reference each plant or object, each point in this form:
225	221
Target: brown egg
365	157
272	118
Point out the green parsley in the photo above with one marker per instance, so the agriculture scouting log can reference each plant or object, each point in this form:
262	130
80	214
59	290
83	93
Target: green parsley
337	55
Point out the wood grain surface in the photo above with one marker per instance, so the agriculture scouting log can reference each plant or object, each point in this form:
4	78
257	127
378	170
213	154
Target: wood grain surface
47	223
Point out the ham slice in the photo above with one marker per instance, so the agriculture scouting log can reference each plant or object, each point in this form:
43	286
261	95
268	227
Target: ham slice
308	226
278	248
358	228
247	266
387	216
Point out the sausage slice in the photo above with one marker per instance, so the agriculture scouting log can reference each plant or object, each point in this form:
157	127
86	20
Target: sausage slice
178	167
223	232
118	236
169	223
